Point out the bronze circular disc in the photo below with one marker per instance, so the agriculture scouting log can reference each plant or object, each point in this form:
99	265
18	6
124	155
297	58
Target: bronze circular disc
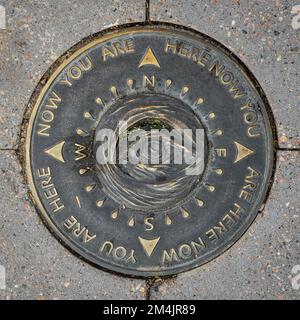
154	219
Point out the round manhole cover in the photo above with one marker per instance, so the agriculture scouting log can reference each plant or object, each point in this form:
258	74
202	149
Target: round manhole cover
149	150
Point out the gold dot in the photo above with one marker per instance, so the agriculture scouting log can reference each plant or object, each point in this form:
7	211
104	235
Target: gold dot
168	221
131	222
89	188
88	115
168	83
212	115
185	213
114	215
219	171
130	83
219	132
199	101
211	188
100	203
82	171
114	91
184	90
200	202
80	132
99	100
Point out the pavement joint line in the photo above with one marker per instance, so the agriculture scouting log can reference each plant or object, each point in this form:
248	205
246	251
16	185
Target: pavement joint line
150	283
288	149
147	12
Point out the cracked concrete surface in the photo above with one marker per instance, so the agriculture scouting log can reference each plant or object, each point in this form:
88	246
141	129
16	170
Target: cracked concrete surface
259	265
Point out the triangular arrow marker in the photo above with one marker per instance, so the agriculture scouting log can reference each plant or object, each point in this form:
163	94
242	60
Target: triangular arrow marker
149	58
149	245
56	151
242	152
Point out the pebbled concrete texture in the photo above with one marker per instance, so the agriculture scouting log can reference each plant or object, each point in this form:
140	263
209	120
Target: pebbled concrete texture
36	34
37	265
261	35
259	265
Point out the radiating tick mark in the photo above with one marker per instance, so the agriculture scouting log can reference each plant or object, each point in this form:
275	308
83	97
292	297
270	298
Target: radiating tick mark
81	132
78	202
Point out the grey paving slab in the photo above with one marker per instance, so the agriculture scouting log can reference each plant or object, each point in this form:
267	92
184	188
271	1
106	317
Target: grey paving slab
259	265
261	35
37	265
37	33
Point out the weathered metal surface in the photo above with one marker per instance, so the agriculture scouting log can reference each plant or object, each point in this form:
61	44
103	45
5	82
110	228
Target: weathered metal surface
137	226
